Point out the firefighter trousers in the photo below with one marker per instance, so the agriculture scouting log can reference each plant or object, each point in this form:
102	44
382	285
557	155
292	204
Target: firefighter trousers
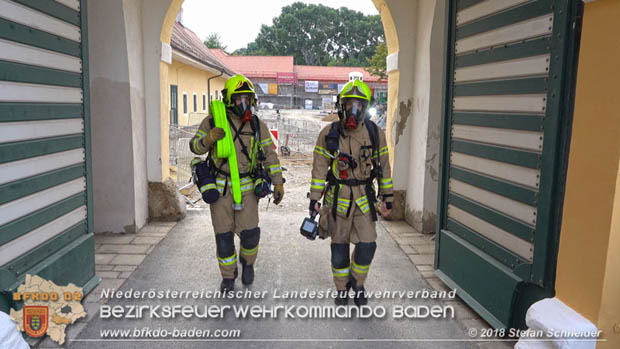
360	230
227	223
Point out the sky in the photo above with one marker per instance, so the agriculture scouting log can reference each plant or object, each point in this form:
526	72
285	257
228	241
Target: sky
239	21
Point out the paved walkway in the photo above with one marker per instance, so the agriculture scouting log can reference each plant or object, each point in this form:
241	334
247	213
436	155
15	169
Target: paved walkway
165	256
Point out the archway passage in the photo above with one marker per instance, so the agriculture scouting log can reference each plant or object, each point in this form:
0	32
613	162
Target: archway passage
119	62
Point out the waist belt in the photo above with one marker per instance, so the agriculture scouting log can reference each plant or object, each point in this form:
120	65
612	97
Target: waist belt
370	194
227	174
350	182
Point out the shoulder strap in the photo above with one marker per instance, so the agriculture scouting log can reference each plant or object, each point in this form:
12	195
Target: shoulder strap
374	135
377	171
255	125
332	138
260	153
244	148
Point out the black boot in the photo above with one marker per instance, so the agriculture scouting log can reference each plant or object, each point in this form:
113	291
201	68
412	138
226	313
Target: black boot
227	285
343	296
247	274
359	295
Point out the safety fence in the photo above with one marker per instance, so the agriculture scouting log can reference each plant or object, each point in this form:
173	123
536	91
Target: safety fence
180	154
296	138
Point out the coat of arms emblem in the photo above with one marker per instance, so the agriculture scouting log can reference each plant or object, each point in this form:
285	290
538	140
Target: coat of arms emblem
35	319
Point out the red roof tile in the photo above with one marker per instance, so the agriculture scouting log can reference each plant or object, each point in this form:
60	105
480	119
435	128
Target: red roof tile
256	66
268	66
188	43
310	72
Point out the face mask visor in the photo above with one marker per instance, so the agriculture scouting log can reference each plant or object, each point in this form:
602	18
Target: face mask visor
355	108
242	103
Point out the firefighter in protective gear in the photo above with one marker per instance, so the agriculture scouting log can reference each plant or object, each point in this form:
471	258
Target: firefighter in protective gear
349	155
253	145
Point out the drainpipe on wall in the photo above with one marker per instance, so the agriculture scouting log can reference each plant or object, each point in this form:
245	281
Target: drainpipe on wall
209	88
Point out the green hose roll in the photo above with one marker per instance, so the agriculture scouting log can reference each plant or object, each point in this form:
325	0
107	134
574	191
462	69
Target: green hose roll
224	146
225	149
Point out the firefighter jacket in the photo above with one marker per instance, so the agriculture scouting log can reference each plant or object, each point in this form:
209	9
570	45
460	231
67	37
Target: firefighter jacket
358	144
271	163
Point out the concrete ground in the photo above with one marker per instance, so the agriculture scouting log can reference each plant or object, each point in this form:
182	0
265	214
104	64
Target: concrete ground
185	260
164	256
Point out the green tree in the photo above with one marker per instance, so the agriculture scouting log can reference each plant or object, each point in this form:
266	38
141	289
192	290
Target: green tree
319	35
214	40
377	65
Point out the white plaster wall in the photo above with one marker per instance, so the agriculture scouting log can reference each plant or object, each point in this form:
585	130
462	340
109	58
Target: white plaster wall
152	19
416	129
436	101
404	16
111	122
419	118
133	29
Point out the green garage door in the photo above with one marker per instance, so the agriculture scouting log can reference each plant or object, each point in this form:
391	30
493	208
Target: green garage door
45	201
510	77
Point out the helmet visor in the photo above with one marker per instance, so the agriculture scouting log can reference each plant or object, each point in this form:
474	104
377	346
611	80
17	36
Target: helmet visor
353	91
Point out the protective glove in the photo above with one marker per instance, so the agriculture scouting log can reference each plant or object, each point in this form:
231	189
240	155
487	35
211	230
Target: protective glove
214	135
313	206
385	209
278	193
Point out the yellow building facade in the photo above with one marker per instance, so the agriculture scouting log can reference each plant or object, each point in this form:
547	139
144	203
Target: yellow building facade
191	78
192	84
588	271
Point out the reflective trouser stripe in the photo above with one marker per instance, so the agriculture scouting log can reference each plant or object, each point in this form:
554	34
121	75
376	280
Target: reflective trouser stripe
341	272
249	252
361	269
228	260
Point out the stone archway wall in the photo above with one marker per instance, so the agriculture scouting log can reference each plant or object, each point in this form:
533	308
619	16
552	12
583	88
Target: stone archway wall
415	40
159	17
125	55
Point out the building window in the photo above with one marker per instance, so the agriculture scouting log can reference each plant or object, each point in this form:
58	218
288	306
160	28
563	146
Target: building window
195	104
204	102
185	103
217	95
